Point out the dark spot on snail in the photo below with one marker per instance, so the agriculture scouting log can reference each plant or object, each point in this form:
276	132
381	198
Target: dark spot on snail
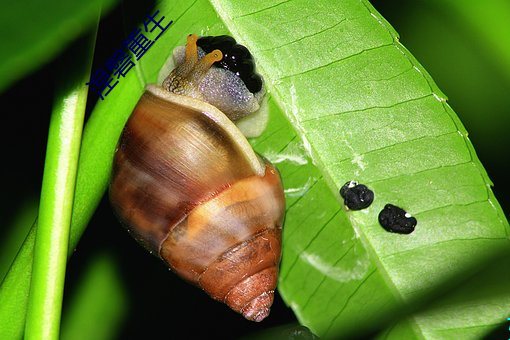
396	220
236	58
356	196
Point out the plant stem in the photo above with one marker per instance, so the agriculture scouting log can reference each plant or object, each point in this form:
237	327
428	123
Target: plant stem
57	195
99	140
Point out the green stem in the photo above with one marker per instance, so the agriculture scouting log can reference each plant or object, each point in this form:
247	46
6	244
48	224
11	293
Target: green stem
100	137
57	195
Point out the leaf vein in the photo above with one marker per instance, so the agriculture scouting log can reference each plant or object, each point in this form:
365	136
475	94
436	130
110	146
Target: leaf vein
262	10
435	243
347	301
324	278
305	37
369	108
335	61
418	172
309	242
450	205
398	144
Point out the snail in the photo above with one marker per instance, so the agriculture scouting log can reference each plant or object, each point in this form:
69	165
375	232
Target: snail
188	186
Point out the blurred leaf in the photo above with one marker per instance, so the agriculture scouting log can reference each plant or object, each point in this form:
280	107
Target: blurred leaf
369	111
99	303
16	232
33	32
475	16
360	107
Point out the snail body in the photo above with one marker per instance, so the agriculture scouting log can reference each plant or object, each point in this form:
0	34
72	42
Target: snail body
188	186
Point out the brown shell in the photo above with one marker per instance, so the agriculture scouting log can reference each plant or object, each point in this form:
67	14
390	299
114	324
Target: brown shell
190	191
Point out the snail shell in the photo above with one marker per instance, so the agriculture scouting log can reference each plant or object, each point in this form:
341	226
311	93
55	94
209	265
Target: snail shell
188	186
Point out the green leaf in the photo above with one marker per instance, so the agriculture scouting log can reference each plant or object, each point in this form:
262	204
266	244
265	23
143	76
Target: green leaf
365	109
33	33
98	305
347	101
17	231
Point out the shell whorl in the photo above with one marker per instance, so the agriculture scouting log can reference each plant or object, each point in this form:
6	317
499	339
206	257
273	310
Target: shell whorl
239	233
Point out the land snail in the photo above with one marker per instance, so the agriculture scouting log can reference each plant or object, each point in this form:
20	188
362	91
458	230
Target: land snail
188	186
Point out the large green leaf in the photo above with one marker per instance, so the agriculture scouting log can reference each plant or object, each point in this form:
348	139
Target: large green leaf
366	110
347	101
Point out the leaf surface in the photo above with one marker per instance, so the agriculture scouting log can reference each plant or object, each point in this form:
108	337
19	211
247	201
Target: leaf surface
365	109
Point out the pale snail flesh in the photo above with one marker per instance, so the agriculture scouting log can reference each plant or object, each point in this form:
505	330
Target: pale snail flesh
188	186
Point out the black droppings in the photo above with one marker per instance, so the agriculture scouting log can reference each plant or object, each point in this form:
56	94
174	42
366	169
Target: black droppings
396	220
356	196
236	58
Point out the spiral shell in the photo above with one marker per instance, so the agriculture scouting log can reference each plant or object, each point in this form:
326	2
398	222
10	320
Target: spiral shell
188	186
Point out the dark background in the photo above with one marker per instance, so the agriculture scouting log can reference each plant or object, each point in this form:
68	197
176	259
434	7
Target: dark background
162	305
